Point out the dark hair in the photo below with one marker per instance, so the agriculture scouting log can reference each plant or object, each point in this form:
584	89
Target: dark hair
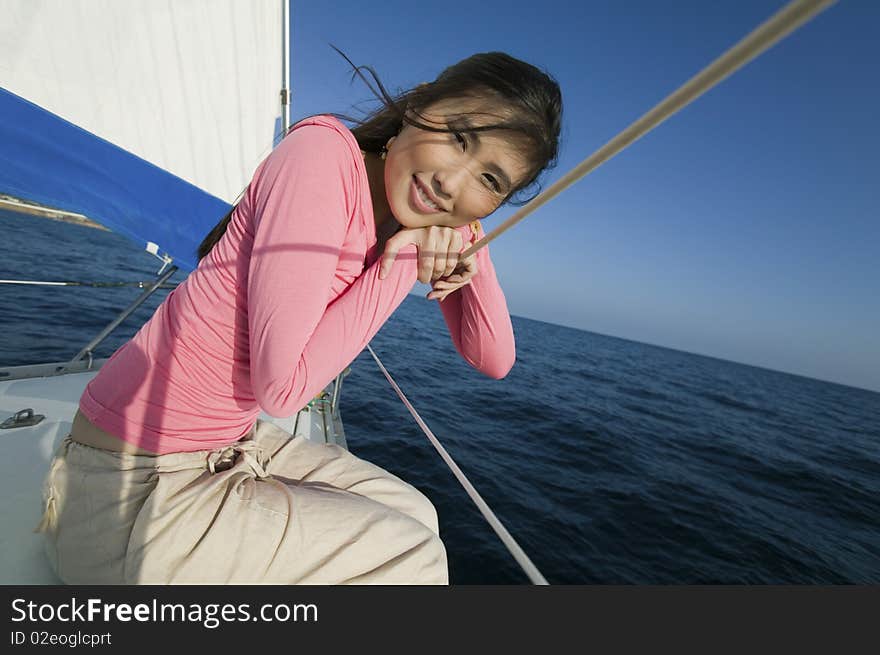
526	101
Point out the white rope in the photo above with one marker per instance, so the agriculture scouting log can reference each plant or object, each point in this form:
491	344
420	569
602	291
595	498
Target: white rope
46	283
518	554
782	23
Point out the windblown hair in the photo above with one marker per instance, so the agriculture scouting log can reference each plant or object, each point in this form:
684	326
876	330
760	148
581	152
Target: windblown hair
520	98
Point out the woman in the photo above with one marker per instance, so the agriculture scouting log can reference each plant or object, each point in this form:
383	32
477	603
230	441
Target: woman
167	476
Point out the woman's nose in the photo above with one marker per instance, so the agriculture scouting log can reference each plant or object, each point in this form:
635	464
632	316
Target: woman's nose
448	181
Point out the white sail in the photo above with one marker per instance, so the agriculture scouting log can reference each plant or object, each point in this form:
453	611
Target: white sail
191	86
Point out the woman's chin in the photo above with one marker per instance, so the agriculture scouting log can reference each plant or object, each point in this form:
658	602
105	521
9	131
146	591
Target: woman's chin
411	220
408	221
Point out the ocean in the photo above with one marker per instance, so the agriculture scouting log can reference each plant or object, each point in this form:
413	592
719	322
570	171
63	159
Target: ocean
610	461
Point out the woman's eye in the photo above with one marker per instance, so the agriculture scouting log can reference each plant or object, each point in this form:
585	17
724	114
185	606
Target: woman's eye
462	142
492	182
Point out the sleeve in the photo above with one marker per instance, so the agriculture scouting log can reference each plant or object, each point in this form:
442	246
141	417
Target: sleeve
304	198
478	320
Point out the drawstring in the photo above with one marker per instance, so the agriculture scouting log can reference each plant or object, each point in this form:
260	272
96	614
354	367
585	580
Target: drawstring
50	513
251	451
246	448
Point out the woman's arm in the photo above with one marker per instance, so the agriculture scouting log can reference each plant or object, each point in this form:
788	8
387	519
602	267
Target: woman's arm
478	320
304	198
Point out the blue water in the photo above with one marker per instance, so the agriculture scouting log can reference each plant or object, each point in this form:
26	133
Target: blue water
609	461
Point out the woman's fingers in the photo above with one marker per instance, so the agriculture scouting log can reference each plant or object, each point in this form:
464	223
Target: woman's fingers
440	260
439	250
444	284
392	247
446	265
440	254
427	255
441	264
442	288
456	244
466	269
447	244
438	295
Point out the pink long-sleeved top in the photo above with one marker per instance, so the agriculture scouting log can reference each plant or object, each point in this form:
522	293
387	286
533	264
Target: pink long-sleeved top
285	301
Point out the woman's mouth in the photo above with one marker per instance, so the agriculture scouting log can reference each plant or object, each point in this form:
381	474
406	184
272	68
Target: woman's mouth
421	200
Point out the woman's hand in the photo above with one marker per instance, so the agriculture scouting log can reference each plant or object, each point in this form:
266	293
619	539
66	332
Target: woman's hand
464	272
438	247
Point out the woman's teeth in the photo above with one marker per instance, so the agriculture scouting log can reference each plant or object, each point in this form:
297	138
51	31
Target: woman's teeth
426	199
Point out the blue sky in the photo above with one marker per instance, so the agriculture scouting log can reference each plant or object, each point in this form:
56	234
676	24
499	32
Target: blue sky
744	228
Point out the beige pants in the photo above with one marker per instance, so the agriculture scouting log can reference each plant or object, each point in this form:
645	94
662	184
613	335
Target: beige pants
269	509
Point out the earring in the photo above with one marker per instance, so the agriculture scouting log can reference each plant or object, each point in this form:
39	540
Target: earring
384	151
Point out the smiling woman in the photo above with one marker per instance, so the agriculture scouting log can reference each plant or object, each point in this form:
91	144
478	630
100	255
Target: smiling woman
288	291
454	150
456	177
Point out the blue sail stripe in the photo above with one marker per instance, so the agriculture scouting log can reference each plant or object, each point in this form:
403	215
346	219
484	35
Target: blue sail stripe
48	160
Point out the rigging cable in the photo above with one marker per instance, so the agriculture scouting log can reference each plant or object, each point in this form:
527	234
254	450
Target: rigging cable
782	23
518	554
70	283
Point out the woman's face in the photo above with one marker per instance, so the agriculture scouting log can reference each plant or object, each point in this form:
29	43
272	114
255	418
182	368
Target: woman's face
450	179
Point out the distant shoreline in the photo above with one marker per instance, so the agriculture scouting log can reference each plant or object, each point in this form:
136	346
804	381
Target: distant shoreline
20	206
